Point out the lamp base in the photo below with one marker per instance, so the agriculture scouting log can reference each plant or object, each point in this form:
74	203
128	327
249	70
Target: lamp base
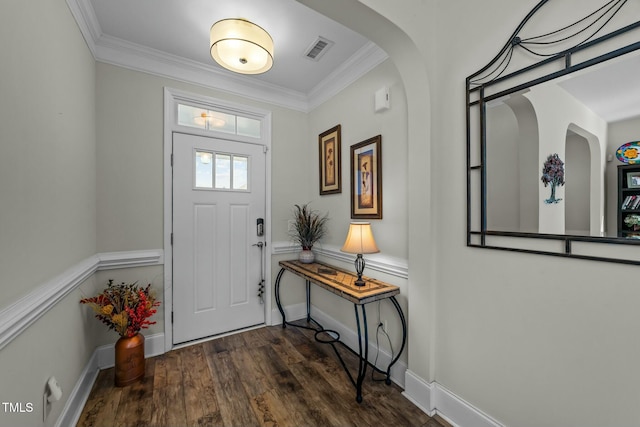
359	264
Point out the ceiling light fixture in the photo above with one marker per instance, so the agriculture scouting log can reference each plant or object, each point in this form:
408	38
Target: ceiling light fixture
209	121
241	46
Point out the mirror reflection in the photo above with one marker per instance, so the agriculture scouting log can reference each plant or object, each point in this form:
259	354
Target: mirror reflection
583	118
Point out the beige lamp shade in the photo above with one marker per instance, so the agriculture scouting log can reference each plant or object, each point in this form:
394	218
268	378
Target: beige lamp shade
241	46
360	239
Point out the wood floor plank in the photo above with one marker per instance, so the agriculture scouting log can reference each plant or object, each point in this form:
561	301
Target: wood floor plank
235	407
228	343
286	351
257	337
303	411
322	395
136	402
252	377
103	402
169	389
271	377
269	411
199	393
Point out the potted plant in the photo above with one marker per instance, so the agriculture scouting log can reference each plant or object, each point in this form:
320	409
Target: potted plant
632	221
310	226
126	309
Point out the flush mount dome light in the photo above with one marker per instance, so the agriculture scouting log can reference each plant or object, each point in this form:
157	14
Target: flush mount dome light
241	46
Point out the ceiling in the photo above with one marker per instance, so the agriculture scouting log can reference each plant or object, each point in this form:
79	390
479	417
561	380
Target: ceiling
611	90
171	38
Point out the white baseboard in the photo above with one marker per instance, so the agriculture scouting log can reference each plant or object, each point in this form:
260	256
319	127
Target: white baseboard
418	391
153	346
103	357
434	399
293	312
347	336
78	397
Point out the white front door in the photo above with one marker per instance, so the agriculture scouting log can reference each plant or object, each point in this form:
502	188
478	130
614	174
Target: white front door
218	198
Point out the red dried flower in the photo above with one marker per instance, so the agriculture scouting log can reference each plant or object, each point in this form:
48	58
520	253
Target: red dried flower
126	308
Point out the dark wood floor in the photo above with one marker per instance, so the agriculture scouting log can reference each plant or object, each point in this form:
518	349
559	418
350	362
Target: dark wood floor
264	377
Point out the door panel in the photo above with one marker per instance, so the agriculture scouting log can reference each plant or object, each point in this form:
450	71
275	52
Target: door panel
218	194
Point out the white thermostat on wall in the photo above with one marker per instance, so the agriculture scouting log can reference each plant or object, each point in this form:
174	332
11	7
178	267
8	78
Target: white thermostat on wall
382	102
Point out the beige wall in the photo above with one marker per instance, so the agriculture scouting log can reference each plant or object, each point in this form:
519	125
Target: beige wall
353	109
47	195
130	150
529	340
47	143
130	173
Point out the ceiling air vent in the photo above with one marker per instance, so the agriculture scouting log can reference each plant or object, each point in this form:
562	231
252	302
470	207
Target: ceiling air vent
318	48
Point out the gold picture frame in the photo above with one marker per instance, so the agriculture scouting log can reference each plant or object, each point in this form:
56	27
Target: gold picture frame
330	162
366	179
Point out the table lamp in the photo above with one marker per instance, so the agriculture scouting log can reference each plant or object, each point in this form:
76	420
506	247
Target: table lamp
360	241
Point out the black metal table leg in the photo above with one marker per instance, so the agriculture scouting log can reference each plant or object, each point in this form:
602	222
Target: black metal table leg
308	301
277	294
404	337
332	337
362	366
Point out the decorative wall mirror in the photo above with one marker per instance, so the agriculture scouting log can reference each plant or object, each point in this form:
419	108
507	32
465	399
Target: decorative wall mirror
560	97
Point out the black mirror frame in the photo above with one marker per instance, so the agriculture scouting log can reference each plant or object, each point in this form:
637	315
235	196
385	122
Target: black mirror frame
492	82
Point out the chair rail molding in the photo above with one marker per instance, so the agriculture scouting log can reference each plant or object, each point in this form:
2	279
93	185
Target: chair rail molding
18	316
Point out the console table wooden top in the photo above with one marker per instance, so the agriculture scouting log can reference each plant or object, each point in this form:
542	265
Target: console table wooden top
340	282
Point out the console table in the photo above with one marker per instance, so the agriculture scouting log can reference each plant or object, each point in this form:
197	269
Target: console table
340	282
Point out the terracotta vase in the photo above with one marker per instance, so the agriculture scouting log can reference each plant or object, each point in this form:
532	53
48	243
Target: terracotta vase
129	360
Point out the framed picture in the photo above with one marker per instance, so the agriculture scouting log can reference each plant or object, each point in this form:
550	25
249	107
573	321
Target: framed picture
330	164
366	179
633	179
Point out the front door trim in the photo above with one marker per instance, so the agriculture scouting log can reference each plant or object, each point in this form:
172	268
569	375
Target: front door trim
171	98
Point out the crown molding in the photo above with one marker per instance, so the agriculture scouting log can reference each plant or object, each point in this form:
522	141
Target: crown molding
365	60
132	56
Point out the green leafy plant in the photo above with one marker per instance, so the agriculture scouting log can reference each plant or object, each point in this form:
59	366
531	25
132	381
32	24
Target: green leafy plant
310	226
632	220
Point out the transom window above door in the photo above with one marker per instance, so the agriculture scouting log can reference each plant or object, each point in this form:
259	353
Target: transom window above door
219	121
221	171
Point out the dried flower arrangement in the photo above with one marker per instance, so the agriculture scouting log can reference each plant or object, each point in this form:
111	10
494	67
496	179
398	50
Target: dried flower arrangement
125	308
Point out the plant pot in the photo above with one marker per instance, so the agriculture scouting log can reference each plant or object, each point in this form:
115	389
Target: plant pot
129	365
306	256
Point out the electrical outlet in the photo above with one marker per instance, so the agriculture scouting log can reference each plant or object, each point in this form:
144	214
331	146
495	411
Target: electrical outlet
384	324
